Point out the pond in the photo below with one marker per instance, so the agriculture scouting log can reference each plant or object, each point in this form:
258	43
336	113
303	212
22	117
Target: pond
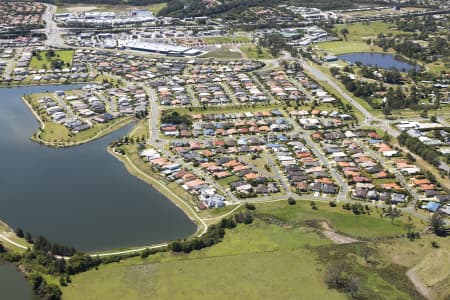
381	60
80	196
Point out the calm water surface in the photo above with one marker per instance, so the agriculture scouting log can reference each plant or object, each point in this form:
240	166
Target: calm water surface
382	60
80	196
13	286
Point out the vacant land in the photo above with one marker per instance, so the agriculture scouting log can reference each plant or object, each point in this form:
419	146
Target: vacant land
44	60
157	7
223	52
276	257
226	39
428	263
258	253
358	34
251	52
359	226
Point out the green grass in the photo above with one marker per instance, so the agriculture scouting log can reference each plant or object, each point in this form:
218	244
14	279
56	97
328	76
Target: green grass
341	47
57	133
357	36
226	181
157	7
226	39
261	260
429	260
251	261
438	67
223	52
251	52
363	226
45	62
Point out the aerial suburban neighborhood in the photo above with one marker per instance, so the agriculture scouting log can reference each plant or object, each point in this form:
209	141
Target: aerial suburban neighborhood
287	149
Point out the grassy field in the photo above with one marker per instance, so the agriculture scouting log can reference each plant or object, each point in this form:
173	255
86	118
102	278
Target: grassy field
45	62
437	67
258	253
363	226
157	7
357	36
251	52
6	231
223	52
226	39
428	262
252	260
341	47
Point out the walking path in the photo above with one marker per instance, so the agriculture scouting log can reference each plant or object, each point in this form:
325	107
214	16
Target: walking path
12	242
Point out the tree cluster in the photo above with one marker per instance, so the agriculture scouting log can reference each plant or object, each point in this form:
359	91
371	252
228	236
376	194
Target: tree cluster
176	118
41	243
428	153
357	208
213	236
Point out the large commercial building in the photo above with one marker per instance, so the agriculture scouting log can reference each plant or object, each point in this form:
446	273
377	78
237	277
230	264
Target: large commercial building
160	48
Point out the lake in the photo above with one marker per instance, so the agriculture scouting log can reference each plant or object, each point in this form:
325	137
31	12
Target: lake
13	284
381	60
80	196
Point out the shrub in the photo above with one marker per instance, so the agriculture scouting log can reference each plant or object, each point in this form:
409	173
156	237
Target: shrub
146	253
435	244
332	204
291	201
250	206
19	232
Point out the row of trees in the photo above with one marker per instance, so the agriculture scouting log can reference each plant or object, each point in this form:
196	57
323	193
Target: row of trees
428	153
42	244
213	236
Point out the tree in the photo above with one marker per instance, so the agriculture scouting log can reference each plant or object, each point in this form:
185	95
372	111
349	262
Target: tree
28	237
393	213
19	232
437	224
344	32
291	201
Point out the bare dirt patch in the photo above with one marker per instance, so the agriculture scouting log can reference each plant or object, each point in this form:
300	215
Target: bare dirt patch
337	238
418	284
